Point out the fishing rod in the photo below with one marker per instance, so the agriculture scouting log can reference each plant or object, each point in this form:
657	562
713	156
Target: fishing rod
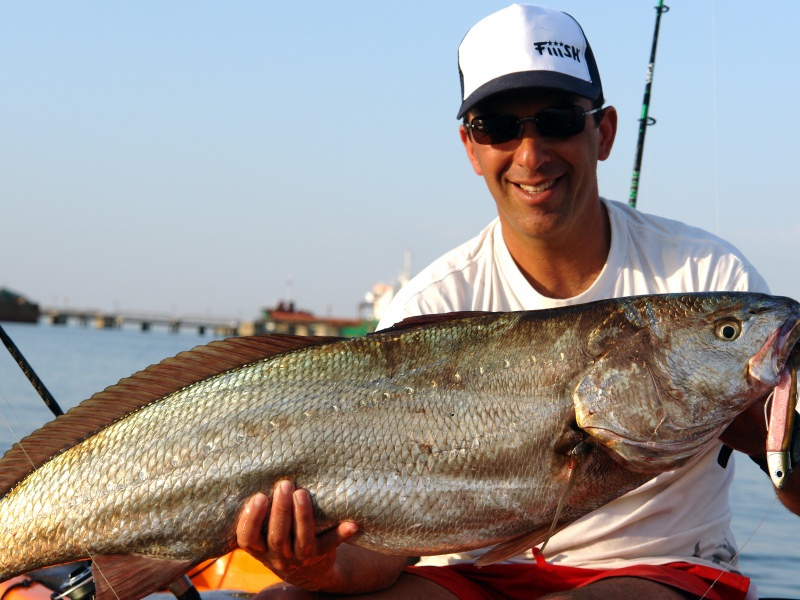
38	384
645	121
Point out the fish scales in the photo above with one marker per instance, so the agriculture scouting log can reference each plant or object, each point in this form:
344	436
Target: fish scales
435	437
439	428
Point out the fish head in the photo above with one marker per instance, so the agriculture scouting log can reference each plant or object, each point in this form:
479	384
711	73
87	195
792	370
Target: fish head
670	372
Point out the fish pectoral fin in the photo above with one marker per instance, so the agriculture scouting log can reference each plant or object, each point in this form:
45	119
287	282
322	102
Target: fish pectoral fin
514	546
133	576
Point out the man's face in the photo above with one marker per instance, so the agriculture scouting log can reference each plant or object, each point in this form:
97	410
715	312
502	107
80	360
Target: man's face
544	187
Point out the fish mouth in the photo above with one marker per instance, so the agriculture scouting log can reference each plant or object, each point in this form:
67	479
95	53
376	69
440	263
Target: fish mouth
780	352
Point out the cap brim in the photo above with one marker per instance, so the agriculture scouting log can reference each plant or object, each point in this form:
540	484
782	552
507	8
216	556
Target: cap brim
531	80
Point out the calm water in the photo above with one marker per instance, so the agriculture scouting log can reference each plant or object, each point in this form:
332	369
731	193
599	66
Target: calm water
75	362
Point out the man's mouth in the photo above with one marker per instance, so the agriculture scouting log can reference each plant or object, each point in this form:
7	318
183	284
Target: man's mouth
542	187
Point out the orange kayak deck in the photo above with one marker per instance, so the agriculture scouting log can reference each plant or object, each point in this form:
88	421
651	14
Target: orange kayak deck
235	571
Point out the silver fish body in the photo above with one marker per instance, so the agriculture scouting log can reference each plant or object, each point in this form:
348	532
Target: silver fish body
433	437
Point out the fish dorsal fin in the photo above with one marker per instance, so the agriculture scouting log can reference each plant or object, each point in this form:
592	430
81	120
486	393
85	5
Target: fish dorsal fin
419	320
132	577
514	546
138	390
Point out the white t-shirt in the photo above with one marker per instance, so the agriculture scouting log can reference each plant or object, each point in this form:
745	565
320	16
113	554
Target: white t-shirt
680	515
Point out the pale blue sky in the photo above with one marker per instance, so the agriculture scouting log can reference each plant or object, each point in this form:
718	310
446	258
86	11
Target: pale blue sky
191	157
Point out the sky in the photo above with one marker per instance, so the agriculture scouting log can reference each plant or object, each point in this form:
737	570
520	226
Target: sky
214	158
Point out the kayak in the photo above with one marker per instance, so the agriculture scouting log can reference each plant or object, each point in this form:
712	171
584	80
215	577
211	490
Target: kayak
235	575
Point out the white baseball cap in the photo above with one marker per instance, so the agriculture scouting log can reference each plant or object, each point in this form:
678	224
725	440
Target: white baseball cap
526	46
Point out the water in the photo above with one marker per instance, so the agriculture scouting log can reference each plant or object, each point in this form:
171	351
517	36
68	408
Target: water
75	362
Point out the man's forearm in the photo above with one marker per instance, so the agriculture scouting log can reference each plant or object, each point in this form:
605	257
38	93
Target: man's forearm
360	570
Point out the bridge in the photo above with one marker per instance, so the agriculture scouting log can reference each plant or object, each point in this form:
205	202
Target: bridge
145	320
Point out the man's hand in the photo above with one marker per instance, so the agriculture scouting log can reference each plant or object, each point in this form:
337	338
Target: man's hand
290	548
748	434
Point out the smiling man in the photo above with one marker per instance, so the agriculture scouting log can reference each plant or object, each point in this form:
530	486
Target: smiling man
534	126
545	187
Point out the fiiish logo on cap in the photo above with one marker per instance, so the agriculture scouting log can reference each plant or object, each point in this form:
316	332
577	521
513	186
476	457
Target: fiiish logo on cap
558	49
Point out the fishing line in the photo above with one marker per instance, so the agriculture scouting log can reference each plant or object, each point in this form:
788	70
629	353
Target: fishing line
16	439
715	111
100	572
575	461
738	553
10	409
767	405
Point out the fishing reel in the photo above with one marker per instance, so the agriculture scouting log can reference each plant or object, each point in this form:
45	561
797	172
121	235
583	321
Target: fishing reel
78	583
67	582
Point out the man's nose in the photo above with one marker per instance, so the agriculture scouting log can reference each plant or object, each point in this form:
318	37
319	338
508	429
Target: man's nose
532	149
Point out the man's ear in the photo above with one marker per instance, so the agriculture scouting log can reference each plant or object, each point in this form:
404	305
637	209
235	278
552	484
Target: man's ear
469	146
608	132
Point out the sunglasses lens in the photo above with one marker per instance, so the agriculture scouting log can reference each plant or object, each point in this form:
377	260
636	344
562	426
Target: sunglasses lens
495	129
561	122
551	122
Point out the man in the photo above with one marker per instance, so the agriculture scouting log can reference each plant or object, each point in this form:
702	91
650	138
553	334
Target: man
534	127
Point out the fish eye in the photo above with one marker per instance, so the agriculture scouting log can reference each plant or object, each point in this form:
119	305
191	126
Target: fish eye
728	329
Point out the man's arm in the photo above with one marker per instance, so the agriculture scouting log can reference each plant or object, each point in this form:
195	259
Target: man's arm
748	434
312	562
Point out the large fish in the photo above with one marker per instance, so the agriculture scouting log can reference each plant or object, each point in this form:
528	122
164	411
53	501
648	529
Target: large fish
440	435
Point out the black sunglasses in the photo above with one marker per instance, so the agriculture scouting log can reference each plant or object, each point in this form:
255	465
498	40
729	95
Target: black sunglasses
550	122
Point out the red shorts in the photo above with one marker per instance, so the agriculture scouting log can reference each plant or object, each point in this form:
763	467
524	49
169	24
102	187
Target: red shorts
530	581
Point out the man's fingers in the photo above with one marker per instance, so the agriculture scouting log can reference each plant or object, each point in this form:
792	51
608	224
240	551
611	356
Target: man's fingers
251	523
291	532
305	542
330	539
281	519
